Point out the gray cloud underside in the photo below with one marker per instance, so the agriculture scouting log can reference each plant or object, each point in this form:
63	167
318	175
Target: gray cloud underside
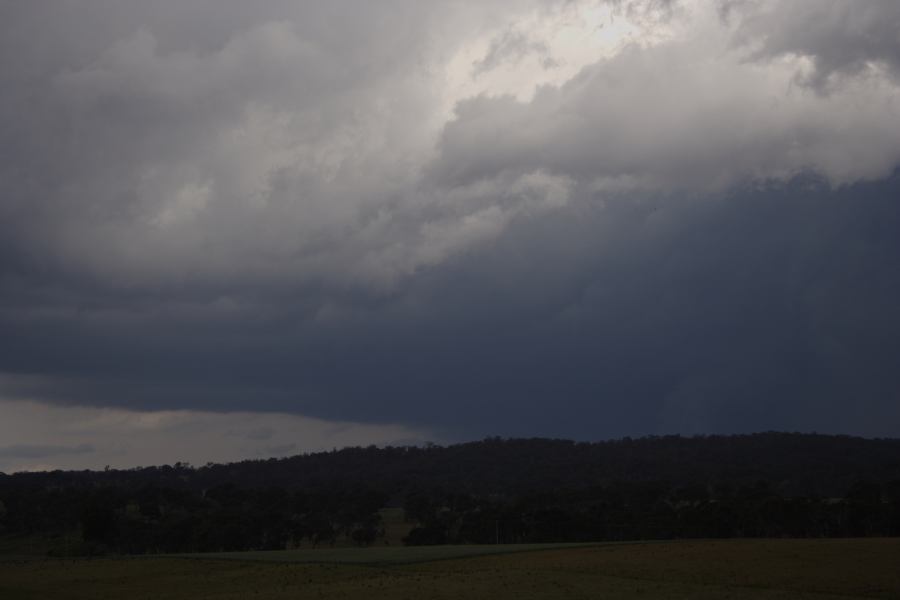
20	451
841	38
225	207
45	436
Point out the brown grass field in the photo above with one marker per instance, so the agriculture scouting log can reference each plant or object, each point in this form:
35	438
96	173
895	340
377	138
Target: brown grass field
859	568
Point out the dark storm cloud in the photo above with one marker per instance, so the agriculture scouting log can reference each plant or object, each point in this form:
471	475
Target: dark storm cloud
766	309
214	206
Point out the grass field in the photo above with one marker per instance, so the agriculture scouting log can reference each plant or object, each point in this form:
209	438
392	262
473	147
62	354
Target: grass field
380	555
692	569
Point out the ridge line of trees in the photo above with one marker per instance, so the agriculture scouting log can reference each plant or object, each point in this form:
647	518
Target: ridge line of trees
507	490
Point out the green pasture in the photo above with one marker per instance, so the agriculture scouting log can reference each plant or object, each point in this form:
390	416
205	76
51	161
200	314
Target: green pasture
736	569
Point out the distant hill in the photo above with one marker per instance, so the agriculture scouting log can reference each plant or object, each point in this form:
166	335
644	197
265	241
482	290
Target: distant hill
793	464
495	490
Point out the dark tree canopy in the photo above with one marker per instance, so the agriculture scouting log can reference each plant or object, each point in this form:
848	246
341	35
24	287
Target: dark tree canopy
515	490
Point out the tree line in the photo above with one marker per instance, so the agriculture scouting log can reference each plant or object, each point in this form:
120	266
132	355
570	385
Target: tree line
494	490
152	520
650	511
794	464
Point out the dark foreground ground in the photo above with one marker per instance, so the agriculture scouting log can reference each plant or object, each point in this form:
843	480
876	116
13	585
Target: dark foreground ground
857	568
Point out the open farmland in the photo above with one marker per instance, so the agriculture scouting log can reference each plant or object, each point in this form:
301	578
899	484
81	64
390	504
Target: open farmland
382	555
697	569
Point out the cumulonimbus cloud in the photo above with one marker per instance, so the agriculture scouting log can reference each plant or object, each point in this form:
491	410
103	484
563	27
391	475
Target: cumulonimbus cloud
212	204
278	152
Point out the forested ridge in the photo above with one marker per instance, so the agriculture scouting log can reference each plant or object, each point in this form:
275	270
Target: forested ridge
507	490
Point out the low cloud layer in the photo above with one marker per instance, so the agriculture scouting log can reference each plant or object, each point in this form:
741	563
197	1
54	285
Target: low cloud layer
578	218
48	437
31	451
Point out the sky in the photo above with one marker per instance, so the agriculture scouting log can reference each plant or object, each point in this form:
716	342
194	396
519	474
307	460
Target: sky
236	230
